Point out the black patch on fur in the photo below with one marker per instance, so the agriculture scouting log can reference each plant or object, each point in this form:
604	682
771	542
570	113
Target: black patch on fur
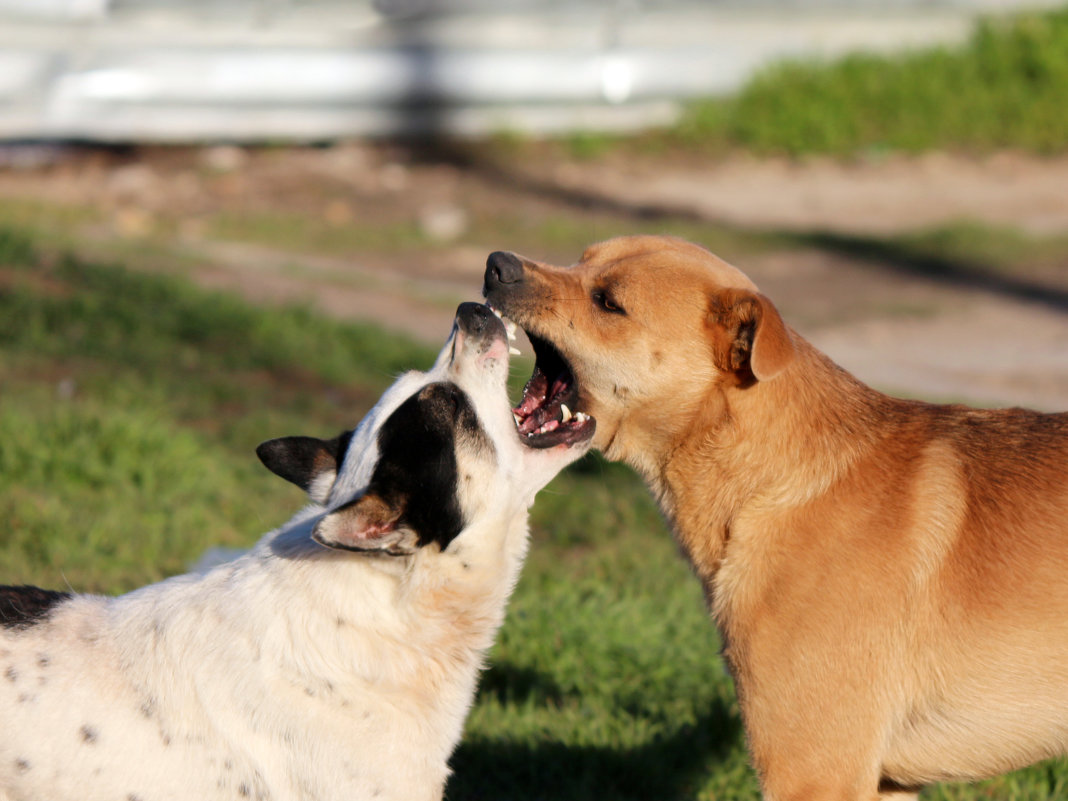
11	674
43	661
417	470
22	607
301	460
89	734
22	765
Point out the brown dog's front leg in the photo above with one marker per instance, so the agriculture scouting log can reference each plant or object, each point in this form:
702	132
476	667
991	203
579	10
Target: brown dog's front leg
816	740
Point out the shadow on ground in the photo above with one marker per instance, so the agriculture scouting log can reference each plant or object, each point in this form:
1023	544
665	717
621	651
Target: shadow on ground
665	768
955	273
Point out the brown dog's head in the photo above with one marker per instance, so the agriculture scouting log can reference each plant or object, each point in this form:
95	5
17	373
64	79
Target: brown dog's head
643	334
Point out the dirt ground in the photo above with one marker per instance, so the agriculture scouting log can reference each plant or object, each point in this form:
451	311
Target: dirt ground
944	334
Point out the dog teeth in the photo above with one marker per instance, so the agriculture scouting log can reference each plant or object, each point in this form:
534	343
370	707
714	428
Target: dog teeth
510	328
515	351
582	417
565	413
496	312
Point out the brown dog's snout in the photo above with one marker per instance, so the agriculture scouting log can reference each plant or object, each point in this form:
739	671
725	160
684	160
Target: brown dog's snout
502	268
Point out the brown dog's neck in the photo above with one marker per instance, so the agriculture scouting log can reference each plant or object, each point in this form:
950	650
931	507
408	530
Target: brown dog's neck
774	445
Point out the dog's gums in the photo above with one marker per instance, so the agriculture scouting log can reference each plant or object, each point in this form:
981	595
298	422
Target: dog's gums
546	415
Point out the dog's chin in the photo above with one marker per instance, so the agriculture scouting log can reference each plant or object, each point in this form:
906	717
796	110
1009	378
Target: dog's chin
550	413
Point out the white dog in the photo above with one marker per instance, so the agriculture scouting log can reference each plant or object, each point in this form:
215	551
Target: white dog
298	671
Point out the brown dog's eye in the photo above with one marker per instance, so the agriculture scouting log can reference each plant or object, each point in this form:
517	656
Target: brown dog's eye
605	302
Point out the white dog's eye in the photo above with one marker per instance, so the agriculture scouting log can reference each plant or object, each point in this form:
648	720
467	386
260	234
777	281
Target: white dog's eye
605	301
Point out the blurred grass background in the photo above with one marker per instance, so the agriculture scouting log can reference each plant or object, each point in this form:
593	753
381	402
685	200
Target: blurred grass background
130	404
1005	88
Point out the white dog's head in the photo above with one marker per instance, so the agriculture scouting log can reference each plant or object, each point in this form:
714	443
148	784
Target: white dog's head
437	451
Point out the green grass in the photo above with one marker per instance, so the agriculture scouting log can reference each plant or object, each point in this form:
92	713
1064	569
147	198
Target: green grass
130	408
130	405
1004	88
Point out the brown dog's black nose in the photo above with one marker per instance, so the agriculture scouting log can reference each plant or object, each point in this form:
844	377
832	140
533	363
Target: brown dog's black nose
502	268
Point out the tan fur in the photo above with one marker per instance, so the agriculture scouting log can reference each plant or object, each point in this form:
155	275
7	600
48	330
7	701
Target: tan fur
890	577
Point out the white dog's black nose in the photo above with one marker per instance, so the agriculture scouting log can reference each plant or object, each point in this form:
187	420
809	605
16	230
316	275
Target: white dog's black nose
477	320
502	268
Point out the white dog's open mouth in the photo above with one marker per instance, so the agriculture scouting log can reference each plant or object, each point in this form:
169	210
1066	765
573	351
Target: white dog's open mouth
547	414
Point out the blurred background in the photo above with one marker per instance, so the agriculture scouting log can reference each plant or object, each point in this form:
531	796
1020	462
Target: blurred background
224	221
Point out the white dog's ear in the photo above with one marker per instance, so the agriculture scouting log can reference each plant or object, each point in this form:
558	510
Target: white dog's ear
749	335
369	523
312	464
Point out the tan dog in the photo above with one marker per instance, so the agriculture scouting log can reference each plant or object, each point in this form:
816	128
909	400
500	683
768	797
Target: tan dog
890	577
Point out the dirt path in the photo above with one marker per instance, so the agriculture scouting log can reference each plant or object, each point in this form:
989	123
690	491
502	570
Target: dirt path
914	336
945	337
876	196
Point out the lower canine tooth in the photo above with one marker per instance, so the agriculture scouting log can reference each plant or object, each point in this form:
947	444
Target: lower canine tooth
514	351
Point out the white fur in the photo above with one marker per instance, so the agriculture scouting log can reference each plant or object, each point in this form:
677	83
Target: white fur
293	672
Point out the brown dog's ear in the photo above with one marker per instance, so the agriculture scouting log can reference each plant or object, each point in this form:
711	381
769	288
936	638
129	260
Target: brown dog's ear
370	523
748	334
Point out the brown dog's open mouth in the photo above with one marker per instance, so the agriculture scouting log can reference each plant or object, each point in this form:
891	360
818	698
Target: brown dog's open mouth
547	414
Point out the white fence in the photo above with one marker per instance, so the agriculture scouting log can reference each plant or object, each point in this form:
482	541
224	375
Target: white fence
163	70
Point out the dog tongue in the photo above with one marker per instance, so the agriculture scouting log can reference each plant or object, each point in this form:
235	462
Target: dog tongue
539	411
534	395
546	414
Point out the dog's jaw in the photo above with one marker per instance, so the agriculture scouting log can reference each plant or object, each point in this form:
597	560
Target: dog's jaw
478	363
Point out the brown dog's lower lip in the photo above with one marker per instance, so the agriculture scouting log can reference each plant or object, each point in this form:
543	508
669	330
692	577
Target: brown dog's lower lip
569	434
